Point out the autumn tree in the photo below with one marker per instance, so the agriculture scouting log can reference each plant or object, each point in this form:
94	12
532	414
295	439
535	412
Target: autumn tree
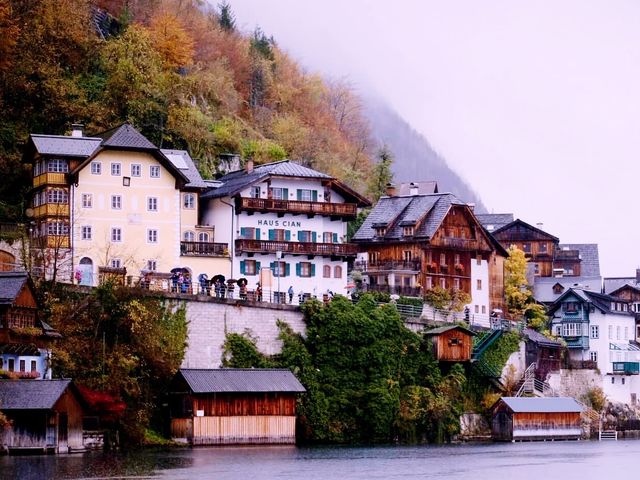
516	287
171	41
226	19
8	35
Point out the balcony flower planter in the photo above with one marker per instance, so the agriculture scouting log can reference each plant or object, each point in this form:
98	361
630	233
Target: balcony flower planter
459	266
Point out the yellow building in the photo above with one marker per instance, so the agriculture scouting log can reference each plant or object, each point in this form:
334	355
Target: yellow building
115	204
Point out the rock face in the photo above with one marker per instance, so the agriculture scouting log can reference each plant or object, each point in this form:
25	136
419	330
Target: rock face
474	426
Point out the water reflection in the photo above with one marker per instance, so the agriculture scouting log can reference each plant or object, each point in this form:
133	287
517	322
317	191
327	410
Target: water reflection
528	461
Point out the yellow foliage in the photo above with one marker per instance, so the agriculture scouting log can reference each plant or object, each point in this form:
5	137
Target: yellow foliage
172	42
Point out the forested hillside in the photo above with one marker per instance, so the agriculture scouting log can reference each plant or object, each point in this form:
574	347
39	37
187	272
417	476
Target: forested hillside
180	72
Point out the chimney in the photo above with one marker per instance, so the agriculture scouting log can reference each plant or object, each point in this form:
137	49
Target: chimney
77	130
540	225
637	275
249	165
391	190
413	189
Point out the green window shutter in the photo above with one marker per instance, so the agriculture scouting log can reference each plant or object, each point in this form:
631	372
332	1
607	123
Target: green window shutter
272	265
299	194
335	238
272	234
243	232
314	195
298	269
257	234
242	267
285	194
313	270
287	269
287	235
314	237
257	268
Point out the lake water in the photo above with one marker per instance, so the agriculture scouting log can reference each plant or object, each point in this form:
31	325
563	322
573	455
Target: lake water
519	461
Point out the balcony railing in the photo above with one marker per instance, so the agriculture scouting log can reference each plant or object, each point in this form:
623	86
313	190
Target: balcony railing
49	179
567	255
459	243
298	206
296	248
396	290
391	265
204	249
626	368
51	209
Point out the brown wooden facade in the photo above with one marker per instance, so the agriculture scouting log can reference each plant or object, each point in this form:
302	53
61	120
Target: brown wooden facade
522	423
452	344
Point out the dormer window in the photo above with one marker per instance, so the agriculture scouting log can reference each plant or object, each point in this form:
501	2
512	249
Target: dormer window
570	307
408	231
380	231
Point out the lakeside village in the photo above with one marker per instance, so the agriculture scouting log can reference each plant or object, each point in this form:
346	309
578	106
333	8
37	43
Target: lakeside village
246	253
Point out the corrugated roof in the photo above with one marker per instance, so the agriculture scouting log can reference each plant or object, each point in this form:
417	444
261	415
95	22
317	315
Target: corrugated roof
183	162
241	380
125	136
542	404
589	258
31	394
10	285
65	145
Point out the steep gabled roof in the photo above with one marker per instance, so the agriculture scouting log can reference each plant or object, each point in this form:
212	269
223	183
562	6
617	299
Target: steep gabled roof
183	162
627	286
517	223
543	287
62	145
234	182
542	404
589	258
125	137
540	339
238	380
11	283
446	328
600	301
424	188
31	394
494	220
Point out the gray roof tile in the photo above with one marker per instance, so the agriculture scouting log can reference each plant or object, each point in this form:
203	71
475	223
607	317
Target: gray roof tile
495	220
424	188
542	404
589	258
65	145
125	136
10	285
183	162
543	286
31	394
241	380
540	339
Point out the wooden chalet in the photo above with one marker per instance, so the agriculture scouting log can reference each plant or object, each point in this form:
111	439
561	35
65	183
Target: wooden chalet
536	418
234	406
543	351
46	416
25	340
417	242
451	343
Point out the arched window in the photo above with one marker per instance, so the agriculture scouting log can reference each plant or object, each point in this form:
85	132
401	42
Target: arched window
326	271
189	236
203	237
337	271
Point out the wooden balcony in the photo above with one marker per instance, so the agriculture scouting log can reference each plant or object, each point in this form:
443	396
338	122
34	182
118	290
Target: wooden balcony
344	210
459	243
396	290
390	266
297	248
51	210
50	179
204	249
51	241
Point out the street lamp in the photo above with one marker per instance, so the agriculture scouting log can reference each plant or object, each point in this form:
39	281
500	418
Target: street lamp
279	265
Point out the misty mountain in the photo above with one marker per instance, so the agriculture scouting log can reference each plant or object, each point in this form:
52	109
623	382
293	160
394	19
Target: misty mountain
414	157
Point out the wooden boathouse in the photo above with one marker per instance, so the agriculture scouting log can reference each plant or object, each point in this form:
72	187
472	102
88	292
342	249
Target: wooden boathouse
451	343
46	416
536	418
234	406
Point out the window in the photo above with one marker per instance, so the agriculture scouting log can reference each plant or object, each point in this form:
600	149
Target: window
254	192
34	366
116	169
152	265
279	269
593	356
57	228
337	271
595	331
428	283
87	200
380	231
536	269
542	247
326	271
456	259
279	235
86	233
154	171
116	202
484	309
330	237
477	309
443	259
23	365
250	267
618	337
479	284
136	170
189	201
570	307
456	283
116	263
203	237
407	231
443	283
96	168
478	260
571	329
306	236
12	364
610	332
305	269
152	235
189	237
57	165
116	234
57	195
278	193
250	233
526	247
626	333
406	255
152	204
306	195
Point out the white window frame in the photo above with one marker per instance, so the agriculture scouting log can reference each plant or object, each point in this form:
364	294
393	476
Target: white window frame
572	329
152	265
154	171
57	165
96	168
136	170
116	234
116	169
306	195
152	204
87	200
594	331
189	236
152	235
189	201
116	263
280	195
203	237
593	355
116	202
86	232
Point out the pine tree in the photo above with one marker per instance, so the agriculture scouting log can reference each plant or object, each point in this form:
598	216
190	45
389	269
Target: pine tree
382	174
227	19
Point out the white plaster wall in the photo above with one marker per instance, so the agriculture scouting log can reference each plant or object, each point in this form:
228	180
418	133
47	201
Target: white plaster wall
479	297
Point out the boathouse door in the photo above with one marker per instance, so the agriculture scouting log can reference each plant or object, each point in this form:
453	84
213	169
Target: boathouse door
63	433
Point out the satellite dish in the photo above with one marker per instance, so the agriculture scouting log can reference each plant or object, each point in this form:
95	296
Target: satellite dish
29	212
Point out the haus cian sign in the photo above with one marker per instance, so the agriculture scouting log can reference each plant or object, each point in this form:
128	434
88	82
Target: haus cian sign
280	223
